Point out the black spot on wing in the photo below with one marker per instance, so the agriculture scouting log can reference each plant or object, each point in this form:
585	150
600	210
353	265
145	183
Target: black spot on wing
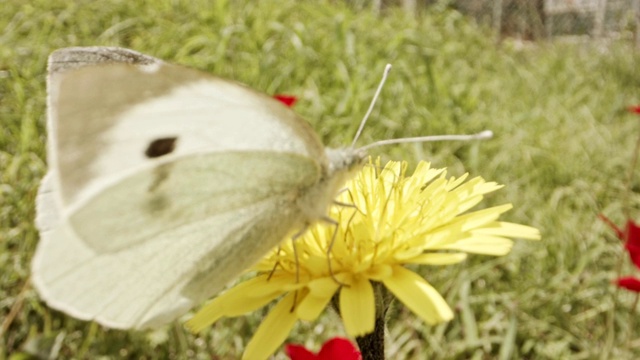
161	147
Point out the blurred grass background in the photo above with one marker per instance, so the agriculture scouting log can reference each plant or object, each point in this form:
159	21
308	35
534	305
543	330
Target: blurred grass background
562	146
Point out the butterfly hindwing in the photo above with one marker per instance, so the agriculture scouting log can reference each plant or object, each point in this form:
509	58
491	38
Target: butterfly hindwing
123	279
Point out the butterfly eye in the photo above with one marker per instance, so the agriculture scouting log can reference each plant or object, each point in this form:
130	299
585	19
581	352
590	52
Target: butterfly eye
161	147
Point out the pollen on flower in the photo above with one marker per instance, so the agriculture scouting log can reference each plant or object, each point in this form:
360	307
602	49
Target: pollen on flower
396	220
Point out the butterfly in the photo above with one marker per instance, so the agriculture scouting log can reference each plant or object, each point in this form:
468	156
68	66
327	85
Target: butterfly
166	183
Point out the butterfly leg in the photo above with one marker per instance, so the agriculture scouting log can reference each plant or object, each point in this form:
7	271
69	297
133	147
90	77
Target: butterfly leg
273	270
344	204
295	256
330	248
335	234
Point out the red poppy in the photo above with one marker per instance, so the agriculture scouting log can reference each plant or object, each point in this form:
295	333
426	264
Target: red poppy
633	242
631	237
334	349
629	283
286	99
634	109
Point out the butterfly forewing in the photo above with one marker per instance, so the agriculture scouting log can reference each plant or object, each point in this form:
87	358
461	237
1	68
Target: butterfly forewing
107	117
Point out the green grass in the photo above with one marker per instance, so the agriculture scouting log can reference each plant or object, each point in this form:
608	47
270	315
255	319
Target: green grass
562	146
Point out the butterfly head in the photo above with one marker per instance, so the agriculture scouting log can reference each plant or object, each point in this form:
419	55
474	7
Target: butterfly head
345	160
343	164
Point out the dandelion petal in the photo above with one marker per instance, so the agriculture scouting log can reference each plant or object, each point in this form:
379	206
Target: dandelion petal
319	296
483	244
357	307
438	259
482	217
508	229
234	302
420	297
273	330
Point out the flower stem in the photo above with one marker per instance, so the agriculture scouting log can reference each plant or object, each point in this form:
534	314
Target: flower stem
372	345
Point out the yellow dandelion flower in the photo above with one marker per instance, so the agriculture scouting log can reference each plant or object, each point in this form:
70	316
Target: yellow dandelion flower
396	220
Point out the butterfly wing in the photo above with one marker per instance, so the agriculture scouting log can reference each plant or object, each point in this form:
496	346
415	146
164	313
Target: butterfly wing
79	57
105	119
146	279
134	233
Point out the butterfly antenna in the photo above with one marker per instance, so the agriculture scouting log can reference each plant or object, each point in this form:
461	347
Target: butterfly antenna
487	134
373	102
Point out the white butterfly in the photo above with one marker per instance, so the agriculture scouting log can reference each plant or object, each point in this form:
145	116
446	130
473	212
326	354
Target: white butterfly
165	184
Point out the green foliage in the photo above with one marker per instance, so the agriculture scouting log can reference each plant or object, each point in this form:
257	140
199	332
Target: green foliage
562	144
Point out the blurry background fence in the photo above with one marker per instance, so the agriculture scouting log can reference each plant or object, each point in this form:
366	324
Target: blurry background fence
537	19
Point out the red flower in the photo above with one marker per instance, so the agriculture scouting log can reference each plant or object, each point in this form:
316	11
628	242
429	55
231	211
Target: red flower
631	237
629	283
286	99
334	349
634	109
633	242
